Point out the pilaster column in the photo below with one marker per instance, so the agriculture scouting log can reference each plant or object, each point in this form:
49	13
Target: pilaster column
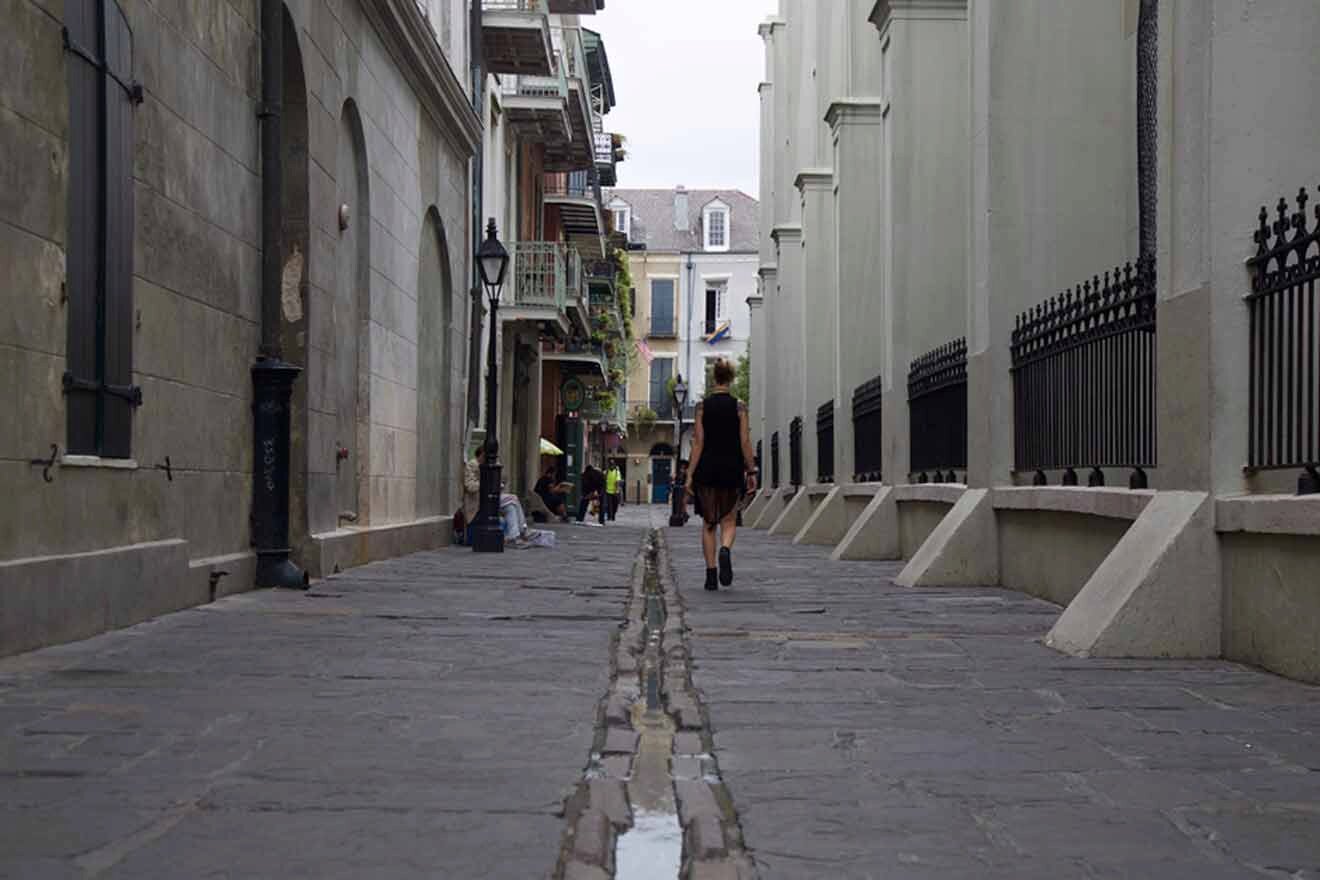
861	312
756	382
788	335
820	300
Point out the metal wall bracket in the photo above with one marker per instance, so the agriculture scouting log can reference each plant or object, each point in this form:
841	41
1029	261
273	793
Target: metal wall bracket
47	463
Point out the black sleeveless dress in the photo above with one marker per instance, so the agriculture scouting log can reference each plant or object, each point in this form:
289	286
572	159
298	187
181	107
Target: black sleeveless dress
721	473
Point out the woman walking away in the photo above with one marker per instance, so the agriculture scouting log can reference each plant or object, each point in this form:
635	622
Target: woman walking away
722	468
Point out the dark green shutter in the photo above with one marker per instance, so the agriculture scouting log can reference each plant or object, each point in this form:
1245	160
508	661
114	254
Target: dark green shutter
99	372
662	308
83	274
119	396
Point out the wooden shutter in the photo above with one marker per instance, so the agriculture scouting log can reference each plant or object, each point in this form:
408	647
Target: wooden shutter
119	395
82	375
98	378
662	308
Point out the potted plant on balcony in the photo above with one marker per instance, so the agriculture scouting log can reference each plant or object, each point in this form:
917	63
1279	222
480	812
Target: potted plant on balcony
644	418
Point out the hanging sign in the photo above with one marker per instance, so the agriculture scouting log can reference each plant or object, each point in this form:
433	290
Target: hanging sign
573	393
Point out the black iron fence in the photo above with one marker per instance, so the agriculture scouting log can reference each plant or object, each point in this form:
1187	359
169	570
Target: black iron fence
825	443
774	460
937	413
795	452
1084	379
1282	400
867	437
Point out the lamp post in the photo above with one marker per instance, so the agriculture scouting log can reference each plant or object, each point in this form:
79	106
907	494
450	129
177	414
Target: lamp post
678	515
487	534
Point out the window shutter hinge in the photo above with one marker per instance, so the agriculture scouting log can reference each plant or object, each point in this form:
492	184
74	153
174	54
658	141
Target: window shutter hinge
74	385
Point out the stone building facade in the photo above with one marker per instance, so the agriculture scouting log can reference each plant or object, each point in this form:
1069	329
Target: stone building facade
1022	230
131	235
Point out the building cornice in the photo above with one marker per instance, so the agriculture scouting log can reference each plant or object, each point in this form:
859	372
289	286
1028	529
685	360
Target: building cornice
768	269
764	87
412	44
855	111
814	178
886	11
755	301
786	230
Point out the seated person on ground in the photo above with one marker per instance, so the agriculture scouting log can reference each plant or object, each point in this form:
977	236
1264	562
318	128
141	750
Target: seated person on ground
555	495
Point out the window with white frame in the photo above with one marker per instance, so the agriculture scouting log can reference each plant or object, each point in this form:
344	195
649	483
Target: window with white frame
621	215
717	295
715	224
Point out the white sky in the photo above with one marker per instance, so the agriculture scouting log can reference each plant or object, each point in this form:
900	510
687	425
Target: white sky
685	75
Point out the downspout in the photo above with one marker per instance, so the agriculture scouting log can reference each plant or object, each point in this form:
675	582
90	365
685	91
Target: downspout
272	377
477	64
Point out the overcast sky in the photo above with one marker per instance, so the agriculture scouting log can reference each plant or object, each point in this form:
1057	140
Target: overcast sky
685	75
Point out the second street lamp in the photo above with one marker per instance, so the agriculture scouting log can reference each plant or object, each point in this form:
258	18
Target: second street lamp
487	533
678	515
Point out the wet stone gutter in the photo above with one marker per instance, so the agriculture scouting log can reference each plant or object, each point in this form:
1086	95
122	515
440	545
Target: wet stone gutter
652	754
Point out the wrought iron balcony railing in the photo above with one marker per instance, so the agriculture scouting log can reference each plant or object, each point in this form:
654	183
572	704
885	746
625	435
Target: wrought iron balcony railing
553	86
542	271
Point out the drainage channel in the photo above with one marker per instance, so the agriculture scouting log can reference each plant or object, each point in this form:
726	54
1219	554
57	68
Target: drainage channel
651	805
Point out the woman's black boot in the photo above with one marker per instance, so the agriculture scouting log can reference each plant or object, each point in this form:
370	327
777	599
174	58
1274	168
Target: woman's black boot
726	567
711	583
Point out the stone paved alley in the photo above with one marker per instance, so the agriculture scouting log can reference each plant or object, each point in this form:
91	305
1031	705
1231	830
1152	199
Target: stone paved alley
427	717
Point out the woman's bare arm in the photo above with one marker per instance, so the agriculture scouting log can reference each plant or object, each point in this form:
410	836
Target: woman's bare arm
749	454
698	443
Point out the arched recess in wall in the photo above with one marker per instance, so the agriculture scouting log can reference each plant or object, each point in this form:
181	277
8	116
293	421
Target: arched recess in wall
294	198
349	387
437	455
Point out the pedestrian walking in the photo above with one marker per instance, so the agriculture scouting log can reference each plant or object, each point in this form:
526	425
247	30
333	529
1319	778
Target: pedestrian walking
721	470
593	488
613	486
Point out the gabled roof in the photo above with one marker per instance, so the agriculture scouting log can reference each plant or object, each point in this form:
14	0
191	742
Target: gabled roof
652	221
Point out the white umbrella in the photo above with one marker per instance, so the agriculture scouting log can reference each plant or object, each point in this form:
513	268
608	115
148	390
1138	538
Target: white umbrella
548	448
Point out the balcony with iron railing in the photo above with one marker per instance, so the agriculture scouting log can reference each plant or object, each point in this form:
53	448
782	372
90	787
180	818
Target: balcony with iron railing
536	107
539	276
575	197
515	37
568	43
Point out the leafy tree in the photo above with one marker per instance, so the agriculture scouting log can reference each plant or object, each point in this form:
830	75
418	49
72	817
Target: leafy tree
741	387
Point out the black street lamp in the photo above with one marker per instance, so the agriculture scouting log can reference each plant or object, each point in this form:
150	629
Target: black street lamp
678	515
487	533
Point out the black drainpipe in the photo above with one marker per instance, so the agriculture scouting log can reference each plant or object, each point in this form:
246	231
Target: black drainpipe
478	65
272	377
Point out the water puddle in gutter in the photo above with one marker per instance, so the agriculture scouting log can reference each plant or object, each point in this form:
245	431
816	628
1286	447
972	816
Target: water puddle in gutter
653	848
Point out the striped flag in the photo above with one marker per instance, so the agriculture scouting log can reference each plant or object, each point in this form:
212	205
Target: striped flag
719	334
645	351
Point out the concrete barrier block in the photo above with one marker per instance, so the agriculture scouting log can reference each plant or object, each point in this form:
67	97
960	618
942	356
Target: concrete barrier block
1158	593
962	551
827	523
756	505
874	534
774	506
795	514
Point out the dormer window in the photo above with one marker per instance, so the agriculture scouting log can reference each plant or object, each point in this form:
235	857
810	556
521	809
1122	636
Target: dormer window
715	226
621	215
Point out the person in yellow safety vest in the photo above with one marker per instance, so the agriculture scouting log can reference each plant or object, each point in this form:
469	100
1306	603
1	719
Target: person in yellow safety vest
613	488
